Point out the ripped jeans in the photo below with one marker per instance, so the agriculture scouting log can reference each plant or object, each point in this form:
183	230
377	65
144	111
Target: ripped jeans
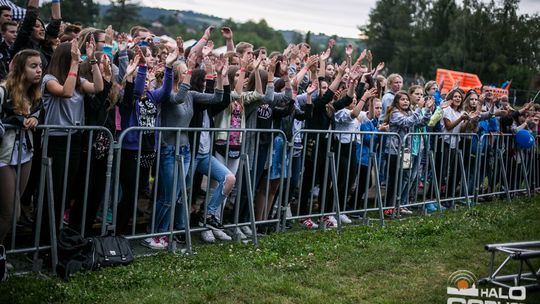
218	172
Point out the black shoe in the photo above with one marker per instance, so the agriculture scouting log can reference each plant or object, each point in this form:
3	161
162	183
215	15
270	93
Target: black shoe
180	238
212	222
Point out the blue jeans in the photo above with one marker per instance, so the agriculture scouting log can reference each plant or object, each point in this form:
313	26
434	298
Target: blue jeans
162	215
218	172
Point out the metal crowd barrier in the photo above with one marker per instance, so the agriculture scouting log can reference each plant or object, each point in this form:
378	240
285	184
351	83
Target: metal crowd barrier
369	175
54	204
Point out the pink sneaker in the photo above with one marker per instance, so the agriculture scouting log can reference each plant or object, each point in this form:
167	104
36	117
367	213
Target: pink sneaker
309	224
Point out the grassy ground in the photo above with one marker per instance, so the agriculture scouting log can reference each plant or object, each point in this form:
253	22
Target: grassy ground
406	262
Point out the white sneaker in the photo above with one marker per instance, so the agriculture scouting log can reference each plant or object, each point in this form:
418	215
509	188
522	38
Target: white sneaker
220	234
154	243
207	236
247	231
237	232
345	219
332	219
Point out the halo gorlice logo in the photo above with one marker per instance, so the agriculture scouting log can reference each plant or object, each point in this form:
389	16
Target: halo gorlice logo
462	290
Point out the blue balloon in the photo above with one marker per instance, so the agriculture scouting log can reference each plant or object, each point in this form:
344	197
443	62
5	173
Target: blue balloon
524	139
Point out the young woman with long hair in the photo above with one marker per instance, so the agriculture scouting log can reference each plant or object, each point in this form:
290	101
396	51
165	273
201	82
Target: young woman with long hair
402	120
63	91
20	104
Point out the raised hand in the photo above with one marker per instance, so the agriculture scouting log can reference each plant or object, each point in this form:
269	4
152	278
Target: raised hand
75	52
443	105
91	47
109	35
227	33
355	73
208	65
132	66
325	55
172	57
138	50
331	43
287	51
207	49
283	67
362	56
271	68
429	103
380	67
208	32
180	44
369	56
312	87
122	41
369	93
349	49
341	69
220	64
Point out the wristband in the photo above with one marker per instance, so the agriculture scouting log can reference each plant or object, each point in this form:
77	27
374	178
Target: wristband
73	74
93	62
242	70
55	1
189	72
210	77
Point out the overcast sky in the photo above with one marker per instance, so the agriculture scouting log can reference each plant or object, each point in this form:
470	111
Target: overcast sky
339	17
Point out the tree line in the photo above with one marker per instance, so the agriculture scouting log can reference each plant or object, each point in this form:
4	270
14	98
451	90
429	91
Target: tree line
486	38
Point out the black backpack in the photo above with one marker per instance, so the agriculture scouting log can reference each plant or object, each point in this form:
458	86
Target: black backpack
73	251
76	253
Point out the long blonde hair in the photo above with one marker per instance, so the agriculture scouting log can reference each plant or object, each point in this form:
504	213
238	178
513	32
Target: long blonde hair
15	83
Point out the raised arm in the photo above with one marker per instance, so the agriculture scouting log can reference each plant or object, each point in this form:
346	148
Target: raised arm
228	35
26	28
197	48
97	80
66	90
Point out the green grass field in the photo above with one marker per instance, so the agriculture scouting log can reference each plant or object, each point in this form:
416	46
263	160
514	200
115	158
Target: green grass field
407	261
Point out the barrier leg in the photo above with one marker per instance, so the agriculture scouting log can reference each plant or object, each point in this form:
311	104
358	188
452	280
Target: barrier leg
244	163
333	174
524	172
52	220
464	180
503	169
435	181
378	195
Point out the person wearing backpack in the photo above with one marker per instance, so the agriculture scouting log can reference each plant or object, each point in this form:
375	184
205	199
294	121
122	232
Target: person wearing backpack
20	104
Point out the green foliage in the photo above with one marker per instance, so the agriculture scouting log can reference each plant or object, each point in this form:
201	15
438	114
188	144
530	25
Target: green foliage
83	11
488	39
416	255
122	15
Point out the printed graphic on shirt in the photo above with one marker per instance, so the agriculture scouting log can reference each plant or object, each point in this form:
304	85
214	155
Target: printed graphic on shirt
264	112
147	114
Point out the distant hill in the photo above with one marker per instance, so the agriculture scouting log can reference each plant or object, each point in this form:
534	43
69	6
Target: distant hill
150	14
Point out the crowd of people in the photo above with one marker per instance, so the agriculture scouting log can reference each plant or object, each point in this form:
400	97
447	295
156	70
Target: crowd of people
68	75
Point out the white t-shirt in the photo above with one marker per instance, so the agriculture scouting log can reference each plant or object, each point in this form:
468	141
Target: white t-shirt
451	114
204	140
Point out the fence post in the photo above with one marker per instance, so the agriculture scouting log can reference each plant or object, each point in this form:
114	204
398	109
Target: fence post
333	174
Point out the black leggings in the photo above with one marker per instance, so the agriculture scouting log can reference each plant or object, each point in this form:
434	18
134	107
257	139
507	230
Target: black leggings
128	182
96	190
57	152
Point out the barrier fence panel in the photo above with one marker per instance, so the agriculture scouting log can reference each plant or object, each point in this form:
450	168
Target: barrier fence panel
441	172
233	163
166	184
74	173
328	173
